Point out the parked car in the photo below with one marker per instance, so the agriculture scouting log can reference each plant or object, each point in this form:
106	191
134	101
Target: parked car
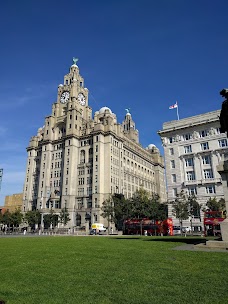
176	230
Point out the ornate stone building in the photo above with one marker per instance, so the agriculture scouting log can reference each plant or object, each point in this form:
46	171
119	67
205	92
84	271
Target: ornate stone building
193	147
77	161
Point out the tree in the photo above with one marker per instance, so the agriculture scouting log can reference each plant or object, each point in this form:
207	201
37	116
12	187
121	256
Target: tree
50	219
140	204
117	209
194	206
64	216
16	218
214	205
6	218
33	218
181	207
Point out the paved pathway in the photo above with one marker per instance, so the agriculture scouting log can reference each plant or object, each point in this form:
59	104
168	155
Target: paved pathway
191	247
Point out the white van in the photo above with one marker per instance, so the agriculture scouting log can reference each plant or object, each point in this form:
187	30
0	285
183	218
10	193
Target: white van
99	227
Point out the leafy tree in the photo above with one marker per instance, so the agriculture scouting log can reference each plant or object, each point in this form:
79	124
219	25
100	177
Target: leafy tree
140	204
6	218
33	218
214	205
194	206
117	209
50	219
181	207
16	218
64	216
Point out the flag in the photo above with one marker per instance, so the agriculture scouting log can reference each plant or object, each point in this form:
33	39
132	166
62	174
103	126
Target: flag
173	106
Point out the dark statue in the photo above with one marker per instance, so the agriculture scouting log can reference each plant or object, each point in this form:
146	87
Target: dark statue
224	112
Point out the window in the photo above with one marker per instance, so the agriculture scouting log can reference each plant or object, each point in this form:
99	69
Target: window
205	146
208	173
210	189
192	191
172	164
190	175
187	149
222	143
189	162
174	191
206	159
96	148
174	178
171	151
82	157
203	133
187	136
171	140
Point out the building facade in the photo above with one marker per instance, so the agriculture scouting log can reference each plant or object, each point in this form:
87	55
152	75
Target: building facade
193	148
76	160
13	202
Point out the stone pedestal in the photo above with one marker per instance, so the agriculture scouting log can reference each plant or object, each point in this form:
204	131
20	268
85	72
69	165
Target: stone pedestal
222	169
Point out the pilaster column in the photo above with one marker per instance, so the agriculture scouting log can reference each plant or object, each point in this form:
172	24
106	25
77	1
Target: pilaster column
222	169
200	175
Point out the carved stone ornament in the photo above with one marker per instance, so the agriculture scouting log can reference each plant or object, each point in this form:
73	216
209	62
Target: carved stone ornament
195	134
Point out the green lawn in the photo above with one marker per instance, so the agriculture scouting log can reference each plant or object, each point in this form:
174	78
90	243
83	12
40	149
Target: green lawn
108	270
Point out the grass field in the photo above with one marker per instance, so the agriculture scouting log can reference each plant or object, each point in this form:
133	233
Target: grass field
108	270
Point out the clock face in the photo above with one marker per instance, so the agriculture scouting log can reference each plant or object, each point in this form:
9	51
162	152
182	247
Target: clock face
65	97
81	99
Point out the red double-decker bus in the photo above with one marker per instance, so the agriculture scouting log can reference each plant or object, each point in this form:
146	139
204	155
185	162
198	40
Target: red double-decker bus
212	220
148	227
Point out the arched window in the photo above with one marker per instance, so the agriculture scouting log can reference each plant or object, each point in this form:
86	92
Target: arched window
78	219
90	155
82	157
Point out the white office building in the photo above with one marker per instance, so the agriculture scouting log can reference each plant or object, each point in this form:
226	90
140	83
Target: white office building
193	148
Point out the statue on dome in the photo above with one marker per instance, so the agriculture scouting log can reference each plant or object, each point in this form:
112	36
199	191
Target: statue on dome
128	110
75	60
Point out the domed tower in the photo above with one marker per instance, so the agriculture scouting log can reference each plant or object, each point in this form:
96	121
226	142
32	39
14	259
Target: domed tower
129	127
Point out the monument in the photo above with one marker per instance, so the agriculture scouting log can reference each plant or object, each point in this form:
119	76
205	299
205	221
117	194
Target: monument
222	168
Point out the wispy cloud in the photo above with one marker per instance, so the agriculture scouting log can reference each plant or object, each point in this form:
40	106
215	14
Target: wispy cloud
27	95
3	131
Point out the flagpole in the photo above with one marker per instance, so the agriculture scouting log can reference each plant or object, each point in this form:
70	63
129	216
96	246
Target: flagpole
177	112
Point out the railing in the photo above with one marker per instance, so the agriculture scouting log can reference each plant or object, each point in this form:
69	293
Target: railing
202	181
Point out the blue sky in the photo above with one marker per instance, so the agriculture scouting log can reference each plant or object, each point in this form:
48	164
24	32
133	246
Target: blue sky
138	54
